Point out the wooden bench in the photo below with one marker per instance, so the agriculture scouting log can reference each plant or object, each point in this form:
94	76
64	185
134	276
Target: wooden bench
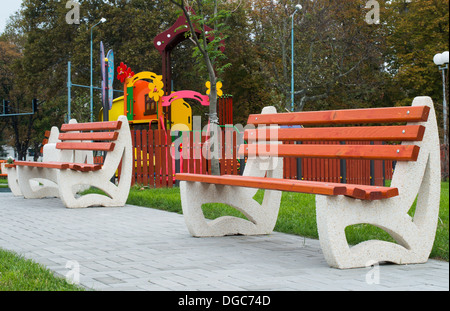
417	174
13	182
68	167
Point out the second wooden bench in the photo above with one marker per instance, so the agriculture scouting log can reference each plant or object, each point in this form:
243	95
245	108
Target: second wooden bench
337	205
69	169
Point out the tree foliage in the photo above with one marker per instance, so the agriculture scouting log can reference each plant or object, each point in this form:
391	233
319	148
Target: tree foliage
340	60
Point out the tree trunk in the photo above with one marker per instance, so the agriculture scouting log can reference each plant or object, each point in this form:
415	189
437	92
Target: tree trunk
215	137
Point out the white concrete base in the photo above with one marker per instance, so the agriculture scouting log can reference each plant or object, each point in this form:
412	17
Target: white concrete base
414	236
12	180
261	218
66	184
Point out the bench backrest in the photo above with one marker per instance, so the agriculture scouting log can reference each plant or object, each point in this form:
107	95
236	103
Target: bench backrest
96	136
361	133
76	140
417	156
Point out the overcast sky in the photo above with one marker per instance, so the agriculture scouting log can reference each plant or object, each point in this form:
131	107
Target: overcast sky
7	8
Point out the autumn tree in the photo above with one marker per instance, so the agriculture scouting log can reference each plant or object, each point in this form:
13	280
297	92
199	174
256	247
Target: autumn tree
335	49
419	30
207	13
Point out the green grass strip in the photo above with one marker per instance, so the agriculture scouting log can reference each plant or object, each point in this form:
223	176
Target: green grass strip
20	274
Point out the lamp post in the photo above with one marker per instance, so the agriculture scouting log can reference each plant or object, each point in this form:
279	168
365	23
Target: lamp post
441	60
102	20
297	7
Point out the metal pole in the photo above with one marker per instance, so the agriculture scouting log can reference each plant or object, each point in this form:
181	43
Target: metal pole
69	85
92	89
298	7
292	61
444	103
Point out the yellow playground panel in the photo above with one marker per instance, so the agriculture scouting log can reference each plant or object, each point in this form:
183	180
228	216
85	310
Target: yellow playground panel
140	107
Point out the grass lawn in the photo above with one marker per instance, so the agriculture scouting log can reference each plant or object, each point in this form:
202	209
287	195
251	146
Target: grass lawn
19	274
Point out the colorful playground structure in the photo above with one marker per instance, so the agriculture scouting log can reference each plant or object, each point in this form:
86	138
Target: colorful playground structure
149	103
143	102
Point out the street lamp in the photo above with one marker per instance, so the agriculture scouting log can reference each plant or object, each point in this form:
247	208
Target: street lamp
102	20
297	7
441	60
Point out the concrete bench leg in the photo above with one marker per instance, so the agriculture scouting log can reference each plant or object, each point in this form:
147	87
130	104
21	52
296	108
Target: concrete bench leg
37	182
261	218
414	235
76	181
13	182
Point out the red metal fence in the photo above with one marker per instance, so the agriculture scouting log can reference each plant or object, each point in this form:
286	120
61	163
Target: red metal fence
158	157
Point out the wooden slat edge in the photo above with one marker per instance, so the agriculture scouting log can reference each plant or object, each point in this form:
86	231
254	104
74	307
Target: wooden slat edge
89	136
94	126
346	116
85	146
50	164
368	152
267	183
362	133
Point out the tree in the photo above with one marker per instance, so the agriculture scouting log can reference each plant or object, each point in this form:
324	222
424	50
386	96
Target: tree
419	30
335	50
210	53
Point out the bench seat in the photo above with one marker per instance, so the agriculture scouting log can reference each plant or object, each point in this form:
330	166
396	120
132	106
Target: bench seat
82	167
325	188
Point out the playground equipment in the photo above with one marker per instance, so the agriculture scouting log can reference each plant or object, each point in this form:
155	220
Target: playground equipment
144	99
149	102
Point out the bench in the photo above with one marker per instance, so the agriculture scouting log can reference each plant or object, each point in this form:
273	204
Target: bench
67	167
10	169
417	174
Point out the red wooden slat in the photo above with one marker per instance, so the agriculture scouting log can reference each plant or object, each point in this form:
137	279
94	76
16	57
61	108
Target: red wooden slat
162	139
157	159
89	136
222	156
145	161
203	156
138	151
50	164
370	133
170	166
267	183
94	126
391	152
133	143
85	146
349	116
191	152
84	167
151	157
234	150
185	151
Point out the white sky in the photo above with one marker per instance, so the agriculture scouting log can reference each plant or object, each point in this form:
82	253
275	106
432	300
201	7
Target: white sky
7	8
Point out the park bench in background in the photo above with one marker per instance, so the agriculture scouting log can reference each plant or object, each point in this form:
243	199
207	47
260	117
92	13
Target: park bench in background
37	186
417	174
68	165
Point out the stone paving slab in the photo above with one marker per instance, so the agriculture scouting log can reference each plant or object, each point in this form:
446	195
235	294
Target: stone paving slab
138	248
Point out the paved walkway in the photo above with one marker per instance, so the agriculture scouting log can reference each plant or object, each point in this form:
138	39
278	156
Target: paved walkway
137	248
